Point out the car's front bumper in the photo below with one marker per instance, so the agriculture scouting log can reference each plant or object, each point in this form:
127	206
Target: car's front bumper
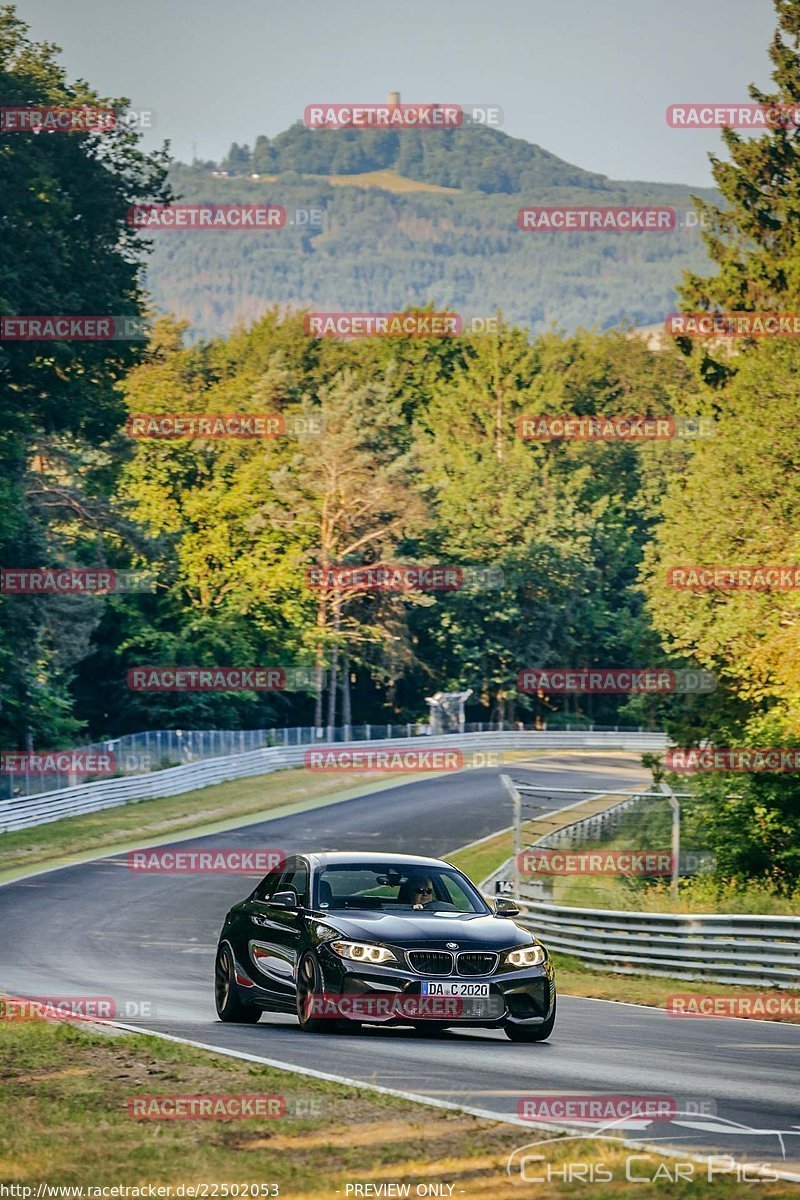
525	996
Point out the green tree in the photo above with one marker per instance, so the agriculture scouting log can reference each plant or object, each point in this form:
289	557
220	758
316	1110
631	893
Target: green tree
66	250
753	241
738	503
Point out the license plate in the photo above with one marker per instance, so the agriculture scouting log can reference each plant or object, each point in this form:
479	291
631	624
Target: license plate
453	987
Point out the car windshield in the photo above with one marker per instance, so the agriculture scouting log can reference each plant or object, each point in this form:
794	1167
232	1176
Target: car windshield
396	887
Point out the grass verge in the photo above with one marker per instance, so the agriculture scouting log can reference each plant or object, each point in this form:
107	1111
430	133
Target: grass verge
147	820
205	810
64	1112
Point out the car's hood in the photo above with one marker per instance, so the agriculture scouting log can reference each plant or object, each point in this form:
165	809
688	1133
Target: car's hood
429	929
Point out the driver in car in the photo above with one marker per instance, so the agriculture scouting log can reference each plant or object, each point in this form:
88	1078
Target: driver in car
417	891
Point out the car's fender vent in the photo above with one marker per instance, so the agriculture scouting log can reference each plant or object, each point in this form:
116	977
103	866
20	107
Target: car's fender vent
431	962
476	963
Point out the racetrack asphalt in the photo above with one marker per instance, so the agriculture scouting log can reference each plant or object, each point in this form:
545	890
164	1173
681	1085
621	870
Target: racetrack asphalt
98	929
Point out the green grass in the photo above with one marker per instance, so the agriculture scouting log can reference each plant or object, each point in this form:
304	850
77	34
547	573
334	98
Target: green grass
481	859
696	894
700	893
203	809
160	818
65	1120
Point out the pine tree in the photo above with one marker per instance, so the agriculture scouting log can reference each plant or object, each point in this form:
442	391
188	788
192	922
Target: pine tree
755	240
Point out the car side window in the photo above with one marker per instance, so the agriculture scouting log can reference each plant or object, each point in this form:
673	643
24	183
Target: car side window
295	879
268	886
455	894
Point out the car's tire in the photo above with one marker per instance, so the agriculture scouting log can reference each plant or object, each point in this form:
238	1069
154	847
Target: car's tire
230	1007
530	1033
309	983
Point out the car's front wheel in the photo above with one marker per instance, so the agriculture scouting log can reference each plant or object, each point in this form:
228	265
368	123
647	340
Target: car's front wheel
309	986
530	1033
230	1007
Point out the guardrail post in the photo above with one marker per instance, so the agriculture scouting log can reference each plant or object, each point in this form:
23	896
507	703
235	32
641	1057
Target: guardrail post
517	803
675	805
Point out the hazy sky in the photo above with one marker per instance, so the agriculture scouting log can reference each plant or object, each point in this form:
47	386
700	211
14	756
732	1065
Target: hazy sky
587	79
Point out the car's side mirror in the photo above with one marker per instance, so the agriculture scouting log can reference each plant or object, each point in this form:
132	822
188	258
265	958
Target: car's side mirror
284	900
505	908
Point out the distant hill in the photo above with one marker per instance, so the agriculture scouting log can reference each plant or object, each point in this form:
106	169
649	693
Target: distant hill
474	158
428	216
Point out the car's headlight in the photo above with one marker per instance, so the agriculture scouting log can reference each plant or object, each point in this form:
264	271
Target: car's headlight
363	952
525	956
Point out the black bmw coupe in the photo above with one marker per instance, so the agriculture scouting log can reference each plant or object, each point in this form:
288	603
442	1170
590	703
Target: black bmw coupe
343	939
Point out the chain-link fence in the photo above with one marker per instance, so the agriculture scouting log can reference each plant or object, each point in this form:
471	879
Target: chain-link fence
597	847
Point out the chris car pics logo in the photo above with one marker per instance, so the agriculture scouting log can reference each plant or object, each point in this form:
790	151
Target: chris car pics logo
604	1157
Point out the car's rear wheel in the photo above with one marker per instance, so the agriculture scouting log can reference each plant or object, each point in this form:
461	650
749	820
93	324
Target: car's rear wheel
230	1007
309	985
530	1033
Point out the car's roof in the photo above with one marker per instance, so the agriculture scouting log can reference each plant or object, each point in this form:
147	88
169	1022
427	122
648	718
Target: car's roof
326	858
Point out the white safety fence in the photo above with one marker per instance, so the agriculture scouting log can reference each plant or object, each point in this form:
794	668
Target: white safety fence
22	812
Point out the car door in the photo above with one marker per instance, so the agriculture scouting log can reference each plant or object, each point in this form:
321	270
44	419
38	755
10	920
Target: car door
275	933
246	920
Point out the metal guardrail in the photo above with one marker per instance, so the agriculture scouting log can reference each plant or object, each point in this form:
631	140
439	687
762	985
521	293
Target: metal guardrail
22	812
726	949
158	749
754	950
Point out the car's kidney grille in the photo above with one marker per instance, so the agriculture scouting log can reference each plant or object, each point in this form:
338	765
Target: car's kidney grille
431	962
476	963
